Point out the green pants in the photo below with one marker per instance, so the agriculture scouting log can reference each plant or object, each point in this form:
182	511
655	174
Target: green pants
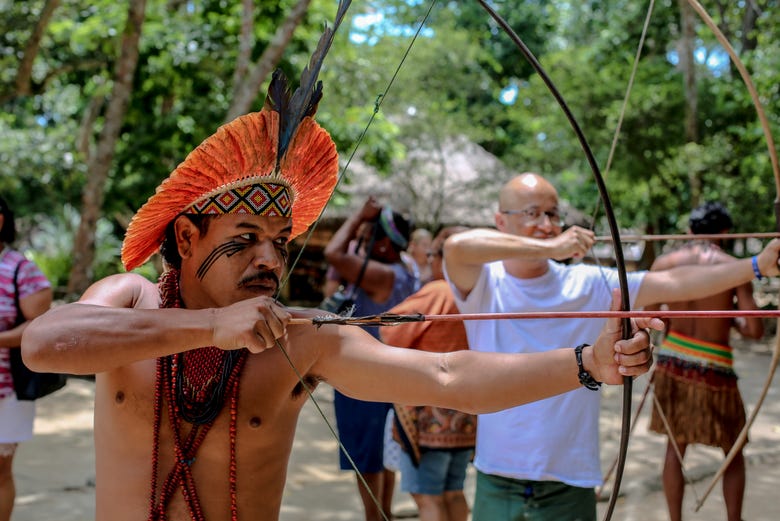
505	499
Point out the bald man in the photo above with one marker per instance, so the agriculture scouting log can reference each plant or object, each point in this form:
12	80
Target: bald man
544	457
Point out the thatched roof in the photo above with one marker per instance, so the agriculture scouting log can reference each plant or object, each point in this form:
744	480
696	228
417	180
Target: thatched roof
454	182
457	183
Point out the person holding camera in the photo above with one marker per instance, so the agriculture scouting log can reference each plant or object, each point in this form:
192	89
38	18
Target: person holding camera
378	279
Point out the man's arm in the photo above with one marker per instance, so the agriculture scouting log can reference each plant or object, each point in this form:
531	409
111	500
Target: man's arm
691	282
378	278
117	322
465	253
470	381
749	327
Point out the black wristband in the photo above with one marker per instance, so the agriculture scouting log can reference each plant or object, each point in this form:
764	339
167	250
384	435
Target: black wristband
585	378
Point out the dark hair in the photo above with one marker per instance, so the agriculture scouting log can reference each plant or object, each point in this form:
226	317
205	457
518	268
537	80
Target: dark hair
710	217
168	248
8	232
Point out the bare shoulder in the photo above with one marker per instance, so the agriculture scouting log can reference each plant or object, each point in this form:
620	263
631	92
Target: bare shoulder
128	290
694	253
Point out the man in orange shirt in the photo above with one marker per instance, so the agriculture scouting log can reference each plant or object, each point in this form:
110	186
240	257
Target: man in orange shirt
434	477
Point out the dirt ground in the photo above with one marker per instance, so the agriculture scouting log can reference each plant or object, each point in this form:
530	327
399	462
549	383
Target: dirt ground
55	470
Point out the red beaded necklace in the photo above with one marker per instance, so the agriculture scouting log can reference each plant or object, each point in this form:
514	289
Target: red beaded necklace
195	386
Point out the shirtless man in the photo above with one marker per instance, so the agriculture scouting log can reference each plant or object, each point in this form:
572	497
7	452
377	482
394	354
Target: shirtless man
694	380
188	432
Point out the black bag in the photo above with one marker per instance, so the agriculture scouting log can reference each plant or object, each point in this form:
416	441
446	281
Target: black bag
28	384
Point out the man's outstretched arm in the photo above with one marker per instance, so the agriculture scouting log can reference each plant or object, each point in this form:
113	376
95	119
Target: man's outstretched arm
117	322
695	281
472	381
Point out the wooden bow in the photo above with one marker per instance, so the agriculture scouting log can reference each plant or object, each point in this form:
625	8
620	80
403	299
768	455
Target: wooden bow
742	438
625	304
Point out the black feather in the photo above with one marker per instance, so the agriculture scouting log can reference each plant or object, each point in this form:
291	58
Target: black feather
278	97
307	96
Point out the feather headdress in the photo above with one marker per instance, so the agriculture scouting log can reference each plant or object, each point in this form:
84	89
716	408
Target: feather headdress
276	162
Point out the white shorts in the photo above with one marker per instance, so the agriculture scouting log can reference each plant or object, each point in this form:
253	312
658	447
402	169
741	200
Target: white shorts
16	419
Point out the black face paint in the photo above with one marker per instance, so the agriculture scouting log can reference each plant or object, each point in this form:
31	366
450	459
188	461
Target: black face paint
229	249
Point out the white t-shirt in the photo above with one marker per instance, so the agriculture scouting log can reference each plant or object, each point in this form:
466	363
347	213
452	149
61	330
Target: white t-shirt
556	439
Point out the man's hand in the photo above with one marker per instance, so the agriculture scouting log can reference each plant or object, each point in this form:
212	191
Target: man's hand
370	210
768	259
611	358
573	243
255	323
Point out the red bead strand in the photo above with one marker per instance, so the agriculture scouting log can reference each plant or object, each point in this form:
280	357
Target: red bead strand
200	377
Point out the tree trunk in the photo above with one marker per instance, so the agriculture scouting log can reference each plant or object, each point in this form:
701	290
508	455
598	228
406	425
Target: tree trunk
246	88
91	114
24	73
688	67
749	20
246	43
99	163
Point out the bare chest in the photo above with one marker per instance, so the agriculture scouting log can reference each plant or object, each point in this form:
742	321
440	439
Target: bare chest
253	430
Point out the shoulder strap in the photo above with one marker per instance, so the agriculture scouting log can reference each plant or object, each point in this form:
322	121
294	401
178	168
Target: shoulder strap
19	314
356	284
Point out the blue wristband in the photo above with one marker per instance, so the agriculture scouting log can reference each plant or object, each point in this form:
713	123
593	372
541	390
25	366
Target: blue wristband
756	271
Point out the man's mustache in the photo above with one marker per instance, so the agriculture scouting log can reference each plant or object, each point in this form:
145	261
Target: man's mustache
263	276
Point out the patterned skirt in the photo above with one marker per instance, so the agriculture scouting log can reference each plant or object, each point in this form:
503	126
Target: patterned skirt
701	403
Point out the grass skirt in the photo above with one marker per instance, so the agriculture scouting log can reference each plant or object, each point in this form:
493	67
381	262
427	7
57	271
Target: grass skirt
702	404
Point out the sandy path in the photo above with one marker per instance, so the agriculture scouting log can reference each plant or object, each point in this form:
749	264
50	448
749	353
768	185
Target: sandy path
55	476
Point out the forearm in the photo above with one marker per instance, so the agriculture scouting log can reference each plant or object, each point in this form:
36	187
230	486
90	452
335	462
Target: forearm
490	382
477	247
338	245
467	381
470	381
12	338
748	327
691	282
86	339
485	382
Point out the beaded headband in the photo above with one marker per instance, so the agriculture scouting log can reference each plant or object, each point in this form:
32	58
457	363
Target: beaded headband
387	221
268	199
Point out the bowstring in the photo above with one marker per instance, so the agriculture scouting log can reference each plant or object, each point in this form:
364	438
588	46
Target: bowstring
377	104
286	279
618	128
772	151
624	106
626	427
597	206
673	442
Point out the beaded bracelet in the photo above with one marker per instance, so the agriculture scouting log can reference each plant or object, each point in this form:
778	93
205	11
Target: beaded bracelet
585	377
756	271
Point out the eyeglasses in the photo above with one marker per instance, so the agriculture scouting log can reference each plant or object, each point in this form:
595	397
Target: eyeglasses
536	216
